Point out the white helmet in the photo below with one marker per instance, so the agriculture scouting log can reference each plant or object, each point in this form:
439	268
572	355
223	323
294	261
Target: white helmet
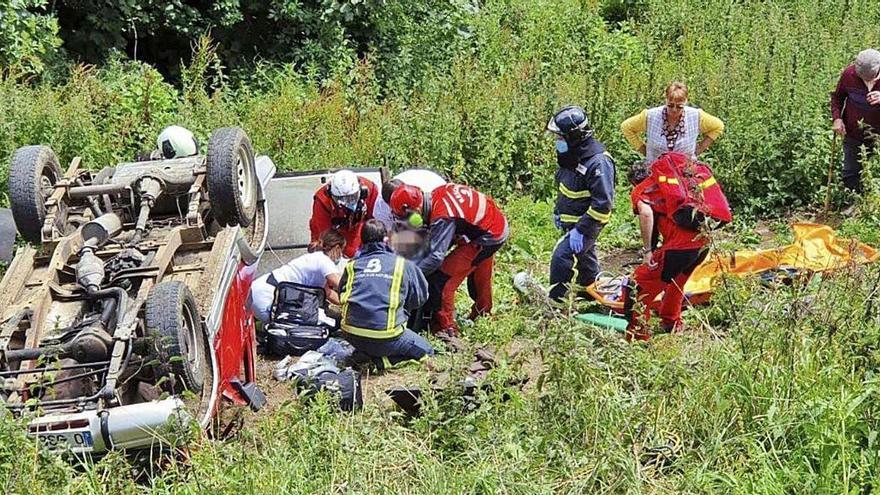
176	142
345	189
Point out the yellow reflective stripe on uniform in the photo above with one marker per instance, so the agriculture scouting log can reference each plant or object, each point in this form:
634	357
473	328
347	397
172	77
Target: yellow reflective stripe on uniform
672	181
349	283
369	333
568	193
661	178
346	292
708	183
601	217
569	218
394	296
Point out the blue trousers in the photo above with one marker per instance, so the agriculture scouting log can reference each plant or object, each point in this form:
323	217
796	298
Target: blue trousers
409	346
564	262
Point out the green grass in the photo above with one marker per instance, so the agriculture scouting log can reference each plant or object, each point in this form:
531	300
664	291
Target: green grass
772	390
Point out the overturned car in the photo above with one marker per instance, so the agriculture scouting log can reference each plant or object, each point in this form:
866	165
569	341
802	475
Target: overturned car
127	311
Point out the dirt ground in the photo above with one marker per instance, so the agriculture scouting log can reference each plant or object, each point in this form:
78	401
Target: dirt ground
438	370
434	372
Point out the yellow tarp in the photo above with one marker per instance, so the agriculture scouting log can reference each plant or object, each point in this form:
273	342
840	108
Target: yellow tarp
815	248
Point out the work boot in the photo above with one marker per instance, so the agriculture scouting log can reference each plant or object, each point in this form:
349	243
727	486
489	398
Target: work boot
674	327
637	332
450	331
450	337
476	313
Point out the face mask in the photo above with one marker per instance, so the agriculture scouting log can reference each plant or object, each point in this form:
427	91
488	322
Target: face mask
561	146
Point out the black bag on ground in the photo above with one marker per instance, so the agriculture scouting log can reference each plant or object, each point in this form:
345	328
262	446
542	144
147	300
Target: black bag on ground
294	326
345	385
296	340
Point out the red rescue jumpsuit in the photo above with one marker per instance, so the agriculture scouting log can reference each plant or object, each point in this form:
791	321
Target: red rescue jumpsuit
326	214
681	252
470	219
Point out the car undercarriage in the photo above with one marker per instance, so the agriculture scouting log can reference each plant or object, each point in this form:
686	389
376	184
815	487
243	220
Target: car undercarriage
112	319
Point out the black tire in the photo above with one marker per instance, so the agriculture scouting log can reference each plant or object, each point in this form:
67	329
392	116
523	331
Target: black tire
180	345
33	172
232	177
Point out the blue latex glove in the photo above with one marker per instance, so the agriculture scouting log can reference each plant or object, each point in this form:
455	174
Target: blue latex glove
557	221
575	240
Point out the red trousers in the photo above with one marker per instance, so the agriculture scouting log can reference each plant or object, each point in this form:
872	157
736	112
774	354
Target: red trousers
669	275
471	261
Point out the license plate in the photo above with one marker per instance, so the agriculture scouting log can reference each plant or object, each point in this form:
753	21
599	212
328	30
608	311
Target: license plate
80	441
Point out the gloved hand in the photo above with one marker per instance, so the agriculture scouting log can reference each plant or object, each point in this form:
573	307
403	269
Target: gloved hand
575	240
557	221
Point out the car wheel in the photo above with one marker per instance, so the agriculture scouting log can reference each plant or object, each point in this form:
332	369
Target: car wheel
180	344
32	177
232	177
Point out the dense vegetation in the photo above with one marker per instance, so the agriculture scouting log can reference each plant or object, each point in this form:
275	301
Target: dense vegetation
468	87
772	392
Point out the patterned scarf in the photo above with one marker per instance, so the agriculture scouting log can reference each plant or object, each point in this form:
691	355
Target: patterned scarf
671	135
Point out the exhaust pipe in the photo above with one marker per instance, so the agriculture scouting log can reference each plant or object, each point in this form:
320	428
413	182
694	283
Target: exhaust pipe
142	425
124	427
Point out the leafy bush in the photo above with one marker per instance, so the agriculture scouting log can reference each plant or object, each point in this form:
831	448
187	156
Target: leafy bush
467	88
28	36
618	11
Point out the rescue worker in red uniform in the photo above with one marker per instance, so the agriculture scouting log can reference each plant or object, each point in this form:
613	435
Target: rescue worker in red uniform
344	204
460	215
667	265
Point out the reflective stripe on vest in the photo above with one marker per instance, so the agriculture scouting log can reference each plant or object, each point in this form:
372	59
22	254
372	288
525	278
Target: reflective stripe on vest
708	183
598	216
568	193
368	333
482	204
670	180
394	296
346	292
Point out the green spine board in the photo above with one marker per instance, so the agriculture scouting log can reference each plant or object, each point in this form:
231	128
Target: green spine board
603	321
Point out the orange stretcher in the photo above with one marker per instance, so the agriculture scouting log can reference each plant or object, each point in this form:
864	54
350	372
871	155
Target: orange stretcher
816	248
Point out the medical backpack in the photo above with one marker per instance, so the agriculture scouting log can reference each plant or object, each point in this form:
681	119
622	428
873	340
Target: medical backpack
691	195
294	325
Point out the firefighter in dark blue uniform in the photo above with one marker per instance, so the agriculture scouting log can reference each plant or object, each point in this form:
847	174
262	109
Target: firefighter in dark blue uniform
379	291
585	195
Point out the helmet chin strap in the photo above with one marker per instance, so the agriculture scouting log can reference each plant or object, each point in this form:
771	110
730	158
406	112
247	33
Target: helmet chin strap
426	207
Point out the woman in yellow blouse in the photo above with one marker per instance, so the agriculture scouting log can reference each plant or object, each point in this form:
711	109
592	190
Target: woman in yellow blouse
672	127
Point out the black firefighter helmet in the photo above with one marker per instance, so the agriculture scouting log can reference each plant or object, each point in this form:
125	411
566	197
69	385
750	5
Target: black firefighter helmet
571	123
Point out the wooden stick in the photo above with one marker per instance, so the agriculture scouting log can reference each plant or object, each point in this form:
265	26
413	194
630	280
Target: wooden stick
830	175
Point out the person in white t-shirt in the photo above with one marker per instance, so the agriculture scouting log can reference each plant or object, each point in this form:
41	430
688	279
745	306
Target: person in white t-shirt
314	269
424	179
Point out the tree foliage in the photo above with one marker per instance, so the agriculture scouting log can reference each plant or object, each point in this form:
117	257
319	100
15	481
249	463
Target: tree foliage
28	35
465	86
